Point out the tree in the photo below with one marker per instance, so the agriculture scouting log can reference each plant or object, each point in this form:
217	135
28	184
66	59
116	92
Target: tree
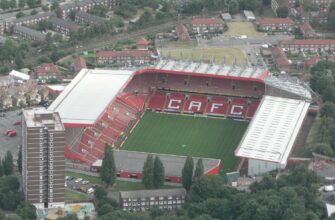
329	94
7	164
22	3
199	169
19	61
331	20
1	168
12	4
328	110
108	168
72	15
159	173
45	8
187	173
4	4
148	172
26	211
282	12
69	217
34	12
19	159
20	14
233	7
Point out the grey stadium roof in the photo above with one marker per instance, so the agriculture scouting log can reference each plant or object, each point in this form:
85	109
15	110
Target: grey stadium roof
153	193
132	161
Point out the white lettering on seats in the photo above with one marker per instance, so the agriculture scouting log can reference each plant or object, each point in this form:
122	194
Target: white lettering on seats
172	106
215	106
236	110
194	104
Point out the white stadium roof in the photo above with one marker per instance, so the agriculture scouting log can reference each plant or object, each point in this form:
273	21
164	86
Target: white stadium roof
273	130
84	99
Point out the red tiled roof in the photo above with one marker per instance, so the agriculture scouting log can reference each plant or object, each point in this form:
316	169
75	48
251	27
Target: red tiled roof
46	69
142	41
314	60
280	57
206	21
311	42
306	29
181	29
268	21
79	63
124	53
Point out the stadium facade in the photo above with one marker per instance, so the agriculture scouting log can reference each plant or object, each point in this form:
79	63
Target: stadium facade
102	106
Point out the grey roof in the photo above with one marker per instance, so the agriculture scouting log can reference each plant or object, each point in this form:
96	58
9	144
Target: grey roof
93	18
29	32
68	6
37	16
133	161
153	193
226	16
64	23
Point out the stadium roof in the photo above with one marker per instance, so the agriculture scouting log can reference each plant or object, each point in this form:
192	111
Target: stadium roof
213	69
290	84
273	130
84	99
132	161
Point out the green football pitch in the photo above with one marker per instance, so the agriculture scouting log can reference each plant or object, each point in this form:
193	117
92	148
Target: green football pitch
189	136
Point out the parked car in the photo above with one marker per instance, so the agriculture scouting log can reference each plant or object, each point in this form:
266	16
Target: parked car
78	180
18	123
11	134
90	190
85	182
329	188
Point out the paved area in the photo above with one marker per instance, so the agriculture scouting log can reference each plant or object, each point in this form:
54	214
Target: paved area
10	143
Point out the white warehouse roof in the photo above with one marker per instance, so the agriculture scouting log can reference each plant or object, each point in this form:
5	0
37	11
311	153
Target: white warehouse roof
273	130
19	75
84	99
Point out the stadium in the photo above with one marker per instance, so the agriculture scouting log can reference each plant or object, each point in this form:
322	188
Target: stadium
222	114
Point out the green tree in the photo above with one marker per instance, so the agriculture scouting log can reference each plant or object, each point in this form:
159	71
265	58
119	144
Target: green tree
282	12
19	61
331	20
148	172
19	159
108	168
187	173
1	168
69	217
20	14
72	15
199	169
233	7
26	211
34	12
4	4
12	4
45	8
7	164
22	3
159	173
329	94
328	110
2	215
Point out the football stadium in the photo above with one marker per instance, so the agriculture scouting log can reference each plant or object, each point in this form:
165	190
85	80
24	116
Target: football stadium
222	114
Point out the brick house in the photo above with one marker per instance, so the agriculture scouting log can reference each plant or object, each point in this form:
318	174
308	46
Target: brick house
142	43
63	26
207	25
47	71
86	18
307	31
182	33
280	59
309	44
276	24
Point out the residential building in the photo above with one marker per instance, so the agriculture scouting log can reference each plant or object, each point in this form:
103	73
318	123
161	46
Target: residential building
47	71
28	20
63	11
276	24
125	57
207	25
311	62
182	33
43	163
2	26
142	43
308	44
63	26
143	200
226	16
280	59
28	33
79	63
307	31
85	5
85	18
249	15
314	16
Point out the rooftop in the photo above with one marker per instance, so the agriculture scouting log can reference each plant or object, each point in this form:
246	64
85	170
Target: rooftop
310	42
38	35
64	23
31	118
206	21
267	21
123	53
153	193
132	161
74	104
92	18
273	130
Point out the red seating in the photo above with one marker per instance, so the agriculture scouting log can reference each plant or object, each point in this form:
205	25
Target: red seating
157	100
175	102
252	108
238	107
196	103
217	106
